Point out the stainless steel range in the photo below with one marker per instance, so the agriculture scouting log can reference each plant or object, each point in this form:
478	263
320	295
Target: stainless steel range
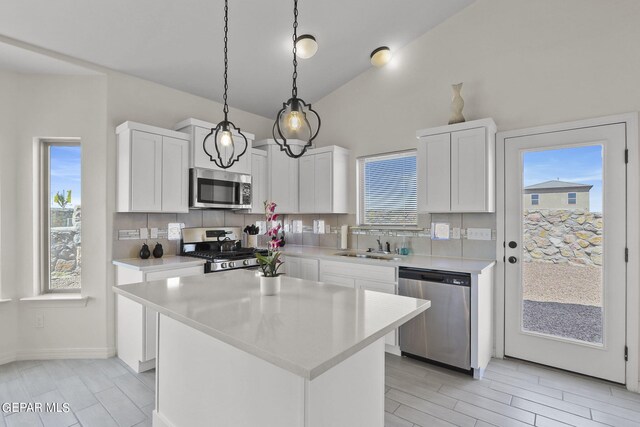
220	246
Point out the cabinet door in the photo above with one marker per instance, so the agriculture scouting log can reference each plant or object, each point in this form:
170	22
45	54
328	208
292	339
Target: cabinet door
202	160
283	182
146	172
292	267
434	173
324	183
175	175
469	170
388	288
308	183
259	180
309	269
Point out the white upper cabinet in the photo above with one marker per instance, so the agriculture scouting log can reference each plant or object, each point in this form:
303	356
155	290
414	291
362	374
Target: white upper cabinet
456	167
282	177
152	169
314	183
198	131
259	179
323	180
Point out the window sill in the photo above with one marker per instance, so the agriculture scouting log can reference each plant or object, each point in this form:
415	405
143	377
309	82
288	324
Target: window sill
5	300
57	300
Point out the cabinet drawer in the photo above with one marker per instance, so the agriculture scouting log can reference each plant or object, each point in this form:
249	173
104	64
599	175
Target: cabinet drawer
359	271
332	279
387	288
180	272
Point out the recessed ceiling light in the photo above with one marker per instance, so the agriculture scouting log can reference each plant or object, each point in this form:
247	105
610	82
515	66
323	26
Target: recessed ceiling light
381	56
306	46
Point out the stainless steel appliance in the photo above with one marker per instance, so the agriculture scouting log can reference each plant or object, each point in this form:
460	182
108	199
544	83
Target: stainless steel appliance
218	189
220	246
441	334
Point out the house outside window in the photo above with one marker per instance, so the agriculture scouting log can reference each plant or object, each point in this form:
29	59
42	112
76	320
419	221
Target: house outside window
60	216
572	198
387	193
535	199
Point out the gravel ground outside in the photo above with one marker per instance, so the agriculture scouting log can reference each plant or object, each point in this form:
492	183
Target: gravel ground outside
581	322
65	281
562	283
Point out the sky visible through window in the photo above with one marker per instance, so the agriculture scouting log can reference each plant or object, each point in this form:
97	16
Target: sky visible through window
582	165
65	173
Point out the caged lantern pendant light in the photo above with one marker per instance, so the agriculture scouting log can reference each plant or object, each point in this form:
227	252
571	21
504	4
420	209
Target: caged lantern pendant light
292	122
223	132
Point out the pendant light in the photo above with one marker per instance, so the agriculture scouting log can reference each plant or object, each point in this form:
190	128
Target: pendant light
292	122
222	134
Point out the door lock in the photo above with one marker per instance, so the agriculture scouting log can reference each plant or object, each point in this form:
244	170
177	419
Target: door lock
513	259
513	244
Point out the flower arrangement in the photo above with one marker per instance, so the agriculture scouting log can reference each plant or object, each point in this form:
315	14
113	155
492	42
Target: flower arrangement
271	263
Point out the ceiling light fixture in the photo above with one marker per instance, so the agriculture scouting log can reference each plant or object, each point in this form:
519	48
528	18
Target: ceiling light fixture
292	122
223	133
380	56
306	46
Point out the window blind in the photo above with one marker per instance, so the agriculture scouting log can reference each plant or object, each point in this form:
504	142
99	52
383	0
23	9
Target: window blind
387	193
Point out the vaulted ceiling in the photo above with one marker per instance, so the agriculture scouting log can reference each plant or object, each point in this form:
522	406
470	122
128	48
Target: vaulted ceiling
179	43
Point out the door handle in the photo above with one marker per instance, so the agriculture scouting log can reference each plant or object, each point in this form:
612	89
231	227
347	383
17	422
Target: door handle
513	259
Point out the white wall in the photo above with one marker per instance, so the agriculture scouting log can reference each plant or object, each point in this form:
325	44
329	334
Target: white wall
524	63
7	213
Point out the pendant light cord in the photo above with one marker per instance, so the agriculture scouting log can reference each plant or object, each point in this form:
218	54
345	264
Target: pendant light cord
226	60
294	90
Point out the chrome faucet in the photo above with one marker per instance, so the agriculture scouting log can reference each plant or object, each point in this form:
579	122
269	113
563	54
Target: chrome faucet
379	245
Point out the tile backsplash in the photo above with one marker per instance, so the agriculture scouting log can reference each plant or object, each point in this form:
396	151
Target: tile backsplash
418	242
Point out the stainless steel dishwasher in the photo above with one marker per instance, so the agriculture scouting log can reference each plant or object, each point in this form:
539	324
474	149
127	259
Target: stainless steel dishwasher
441	334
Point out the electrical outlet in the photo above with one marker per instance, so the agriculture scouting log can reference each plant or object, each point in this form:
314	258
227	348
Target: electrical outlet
154	233
455	234
144	233
478	234
39	320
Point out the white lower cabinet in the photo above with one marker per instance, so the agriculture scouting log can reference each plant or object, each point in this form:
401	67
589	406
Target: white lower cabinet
359	276
136	324
301	268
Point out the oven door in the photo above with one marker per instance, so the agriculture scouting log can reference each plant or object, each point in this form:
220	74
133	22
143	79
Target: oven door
218	189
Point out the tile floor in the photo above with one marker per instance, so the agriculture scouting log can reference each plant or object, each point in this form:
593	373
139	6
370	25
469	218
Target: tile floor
513	393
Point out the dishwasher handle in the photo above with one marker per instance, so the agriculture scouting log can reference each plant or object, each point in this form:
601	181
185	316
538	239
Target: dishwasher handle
435	276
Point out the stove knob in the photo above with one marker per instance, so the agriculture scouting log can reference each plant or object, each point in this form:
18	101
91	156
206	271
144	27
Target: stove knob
223	265
232	264
245	262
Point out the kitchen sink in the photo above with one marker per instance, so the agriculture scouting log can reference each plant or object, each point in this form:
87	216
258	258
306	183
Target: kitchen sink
378	257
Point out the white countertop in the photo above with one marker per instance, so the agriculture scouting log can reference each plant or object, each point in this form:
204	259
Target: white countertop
463	265
159	264
306	329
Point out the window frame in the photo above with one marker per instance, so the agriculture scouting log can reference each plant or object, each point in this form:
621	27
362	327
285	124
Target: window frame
360	162
44	211
537	199
575	198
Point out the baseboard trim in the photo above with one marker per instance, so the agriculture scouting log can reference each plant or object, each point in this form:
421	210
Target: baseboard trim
392	349
66	353
159	420
7	358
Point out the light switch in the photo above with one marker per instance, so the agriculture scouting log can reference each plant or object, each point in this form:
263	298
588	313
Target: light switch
455	234
154	233
144	233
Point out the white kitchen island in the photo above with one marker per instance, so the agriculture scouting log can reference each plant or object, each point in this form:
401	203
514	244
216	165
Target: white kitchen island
312	356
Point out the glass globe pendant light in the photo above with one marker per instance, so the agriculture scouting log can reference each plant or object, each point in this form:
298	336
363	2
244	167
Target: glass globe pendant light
296	120
226	153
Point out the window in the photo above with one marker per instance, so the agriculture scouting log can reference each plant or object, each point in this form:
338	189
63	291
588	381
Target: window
535	199
387	192
61	216
572	198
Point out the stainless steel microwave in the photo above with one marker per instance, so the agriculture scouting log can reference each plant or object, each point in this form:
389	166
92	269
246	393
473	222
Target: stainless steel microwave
218	189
